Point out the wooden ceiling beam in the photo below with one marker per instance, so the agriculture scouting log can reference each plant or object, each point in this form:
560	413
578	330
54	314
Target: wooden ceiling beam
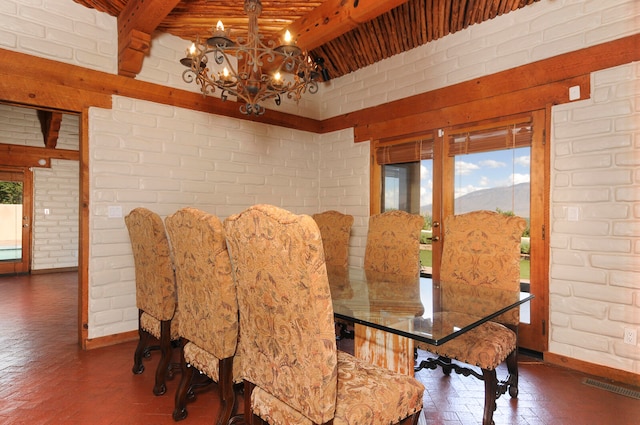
136	22
335	18
50	125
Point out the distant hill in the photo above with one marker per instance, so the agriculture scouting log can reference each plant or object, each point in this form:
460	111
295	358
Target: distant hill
496	197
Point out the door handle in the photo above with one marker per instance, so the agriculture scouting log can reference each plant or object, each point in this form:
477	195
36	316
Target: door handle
25	225
435	239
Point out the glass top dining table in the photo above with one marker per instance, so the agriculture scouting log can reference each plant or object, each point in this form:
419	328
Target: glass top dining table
418	308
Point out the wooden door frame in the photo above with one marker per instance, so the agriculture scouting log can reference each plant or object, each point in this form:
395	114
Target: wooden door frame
74	106
534	335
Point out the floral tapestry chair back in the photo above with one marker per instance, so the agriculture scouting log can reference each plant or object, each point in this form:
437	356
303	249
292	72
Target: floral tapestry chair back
335	229
482	250
207	303
287	340
393	243
155	290
155	281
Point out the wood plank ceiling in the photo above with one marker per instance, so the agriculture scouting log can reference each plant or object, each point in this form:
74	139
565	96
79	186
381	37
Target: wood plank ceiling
347	34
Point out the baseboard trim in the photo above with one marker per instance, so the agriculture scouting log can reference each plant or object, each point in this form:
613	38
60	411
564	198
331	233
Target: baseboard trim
105	341
58	270
604	372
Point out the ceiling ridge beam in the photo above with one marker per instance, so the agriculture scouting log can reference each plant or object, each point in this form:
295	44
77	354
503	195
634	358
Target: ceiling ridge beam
335	18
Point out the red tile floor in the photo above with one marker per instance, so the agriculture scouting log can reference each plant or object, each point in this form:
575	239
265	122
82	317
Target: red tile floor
46	379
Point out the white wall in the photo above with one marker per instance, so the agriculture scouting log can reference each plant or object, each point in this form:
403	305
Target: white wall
165	158
55	235
344	185
60	30
545	29
595	250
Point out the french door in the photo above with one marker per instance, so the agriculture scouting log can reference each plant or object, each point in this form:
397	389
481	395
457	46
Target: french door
498	165
15	219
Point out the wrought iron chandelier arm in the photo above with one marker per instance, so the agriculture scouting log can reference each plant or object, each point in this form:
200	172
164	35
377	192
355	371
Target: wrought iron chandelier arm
296	73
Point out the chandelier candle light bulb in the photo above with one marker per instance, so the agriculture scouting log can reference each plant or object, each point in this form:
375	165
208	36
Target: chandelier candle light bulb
264	71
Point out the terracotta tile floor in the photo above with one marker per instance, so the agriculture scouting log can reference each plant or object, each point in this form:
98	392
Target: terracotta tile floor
46	379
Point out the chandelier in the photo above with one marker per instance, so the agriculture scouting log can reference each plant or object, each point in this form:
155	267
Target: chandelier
238	68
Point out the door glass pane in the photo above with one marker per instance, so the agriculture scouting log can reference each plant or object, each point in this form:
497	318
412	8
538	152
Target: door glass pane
10	220
426	210
401	187
497	181
409	187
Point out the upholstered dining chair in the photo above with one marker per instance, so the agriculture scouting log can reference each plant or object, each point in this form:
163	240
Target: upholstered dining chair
155	292
393	243
335	228
207	305
481	249
391	258
292	371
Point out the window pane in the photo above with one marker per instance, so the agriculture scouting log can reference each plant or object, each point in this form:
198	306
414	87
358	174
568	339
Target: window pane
401	187
409	187
494	181
10	220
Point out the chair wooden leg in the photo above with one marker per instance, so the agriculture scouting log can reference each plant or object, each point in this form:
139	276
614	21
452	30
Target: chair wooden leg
180	409
141	348
512	367
227	392
249	417
490	378
411	420
165	358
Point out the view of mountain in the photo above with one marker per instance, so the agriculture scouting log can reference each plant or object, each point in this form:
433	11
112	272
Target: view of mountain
510	198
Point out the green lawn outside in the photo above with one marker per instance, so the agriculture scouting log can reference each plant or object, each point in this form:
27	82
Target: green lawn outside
525	264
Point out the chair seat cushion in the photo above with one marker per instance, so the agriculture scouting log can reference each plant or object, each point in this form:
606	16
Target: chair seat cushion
207	363
485	346
367	394
152	325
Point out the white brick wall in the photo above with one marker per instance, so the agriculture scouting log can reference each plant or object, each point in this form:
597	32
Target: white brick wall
20	126
165	158
344	185
55	236
61	30
595	261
